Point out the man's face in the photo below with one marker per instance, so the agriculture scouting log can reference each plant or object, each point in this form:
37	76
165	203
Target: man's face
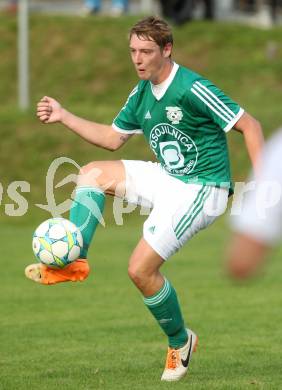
148	58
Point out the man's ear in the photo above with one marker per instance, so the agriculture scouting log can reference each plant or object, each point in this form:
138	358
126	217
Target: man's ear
167	50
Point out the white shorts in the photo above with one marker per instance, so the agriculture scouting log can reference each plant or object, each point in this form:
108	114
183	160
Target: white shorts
179	210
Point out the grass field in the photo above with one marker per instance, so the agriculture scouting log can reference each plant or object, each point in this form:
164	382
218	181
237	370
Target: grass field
99	335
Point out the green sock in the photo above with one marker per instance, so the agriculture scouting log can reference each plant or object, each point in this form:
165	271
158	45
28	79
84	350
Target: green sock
165	308
86	213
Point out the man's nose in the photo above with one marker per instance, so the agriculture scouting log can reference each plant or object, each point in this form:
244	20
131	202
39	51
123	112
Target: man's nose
138	58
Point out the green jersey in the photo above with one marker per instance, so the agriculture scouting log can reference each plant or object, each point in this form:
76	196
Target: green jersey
184	120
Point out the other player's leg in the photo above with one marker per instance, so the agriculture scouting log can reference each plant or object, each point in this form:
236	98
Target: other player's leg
95	180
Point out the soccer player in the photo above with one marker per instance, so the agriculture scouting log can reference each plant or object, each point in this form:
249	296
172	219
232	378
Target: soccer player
258	227
184	119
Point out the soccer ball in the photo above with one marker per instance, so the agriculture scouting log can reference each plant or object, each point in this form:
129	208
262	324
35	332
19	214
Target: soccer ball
57	242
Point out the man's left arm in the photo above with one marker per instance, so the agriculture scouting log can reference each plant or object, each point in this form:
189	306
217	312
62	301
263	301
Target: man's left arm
253	136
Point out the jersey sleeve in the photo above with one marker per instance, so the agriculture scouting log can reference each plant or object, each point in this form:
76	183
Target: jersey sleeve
210	101
126	121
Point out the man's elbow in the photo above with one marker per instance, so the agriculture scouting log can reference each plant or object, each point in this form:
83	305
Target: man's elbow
110	148
110	142
257	125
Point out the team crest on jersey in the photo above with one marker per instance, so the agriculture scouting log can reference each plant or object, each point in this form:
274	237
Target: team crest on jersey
174	114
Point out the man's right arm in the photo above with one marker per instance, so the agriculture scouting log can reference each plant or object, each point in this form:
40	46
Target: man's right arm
104	136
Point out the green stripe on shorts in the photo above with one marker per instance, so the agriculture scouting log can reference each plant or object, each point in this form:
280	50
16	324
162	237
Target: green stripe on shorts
198	207
178	226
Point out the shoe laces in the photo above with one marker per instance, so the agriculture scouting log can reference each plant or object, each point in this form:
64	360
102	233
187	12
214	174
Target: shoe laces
173	359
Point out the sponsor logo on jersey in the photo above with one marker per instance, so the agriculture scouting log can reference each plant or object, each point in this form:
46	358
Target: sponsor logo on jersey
174	114
148	115
172	155
175	149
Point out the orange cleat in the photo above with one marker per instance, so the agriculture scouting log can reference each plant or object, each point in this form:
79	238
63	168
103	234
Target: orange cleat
74	272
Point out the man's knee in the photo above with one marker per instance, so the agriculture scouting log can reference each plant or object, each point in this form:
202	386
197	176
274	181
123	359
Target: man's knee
134	273
138	275
93	174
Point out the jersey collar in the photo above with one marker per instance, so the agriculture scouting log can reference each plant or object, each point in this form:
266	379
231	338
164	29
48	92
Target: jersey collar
158	90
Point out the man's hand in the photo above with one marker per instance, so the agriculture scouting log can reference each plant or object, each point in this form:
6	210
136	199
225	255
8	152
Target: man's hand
49	110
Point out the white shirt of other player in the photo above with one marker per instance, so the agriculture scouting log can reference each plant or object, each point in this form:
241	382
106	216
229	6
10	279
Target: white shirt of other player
261	212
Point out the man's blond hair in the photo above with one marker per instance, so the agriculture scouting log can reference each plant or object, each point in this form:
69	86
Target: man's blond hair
153	29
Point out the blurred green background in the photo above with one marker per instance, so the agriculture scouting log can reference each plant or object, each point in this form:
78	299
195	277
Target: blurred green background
85	64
